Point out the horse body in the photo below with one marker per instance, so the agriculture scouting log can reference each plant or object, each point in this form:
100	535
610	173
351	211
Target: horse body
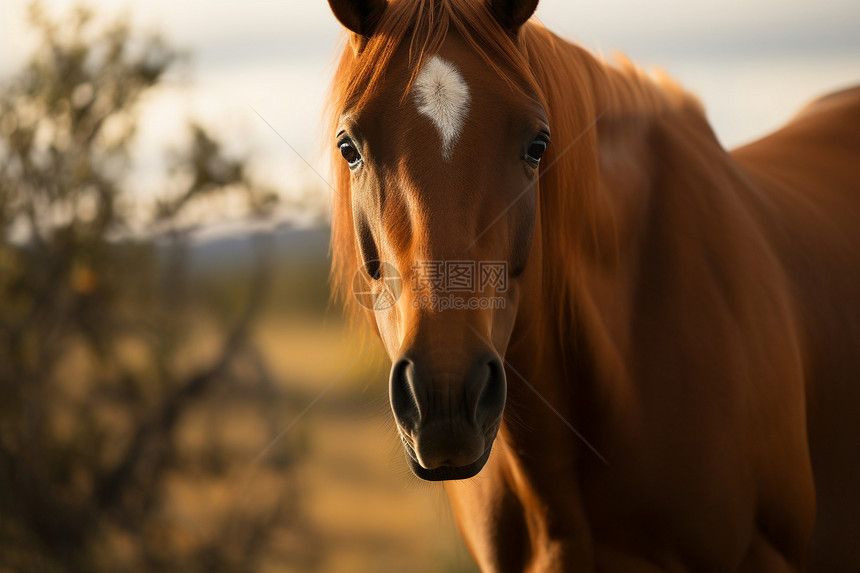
681	366
706	426
808	202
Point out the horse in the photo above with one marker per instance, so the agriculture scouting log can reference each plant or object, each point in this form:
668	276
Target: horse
668	376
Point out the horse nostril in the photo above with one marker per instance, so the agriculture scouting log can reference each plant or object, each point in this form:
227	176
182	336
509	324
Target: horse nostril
402	393
491	400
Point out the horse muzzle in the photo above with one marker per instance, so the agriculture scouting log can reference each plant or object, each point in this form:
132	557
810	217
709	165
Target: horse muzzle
447	421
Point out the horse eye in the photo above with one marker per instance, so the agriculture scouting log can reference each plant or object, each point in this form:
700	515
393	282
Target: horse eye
350	153
535	152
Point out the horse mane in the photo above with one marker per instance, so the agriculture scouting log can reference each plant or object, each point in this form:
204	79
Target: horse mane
575	89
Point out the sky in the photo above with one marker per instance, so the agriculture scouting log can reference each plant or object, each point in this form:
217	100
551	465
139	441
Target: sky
753	63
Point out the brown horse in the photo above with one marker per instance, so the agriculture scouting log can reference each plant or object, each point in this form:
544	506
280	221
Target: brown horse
668	375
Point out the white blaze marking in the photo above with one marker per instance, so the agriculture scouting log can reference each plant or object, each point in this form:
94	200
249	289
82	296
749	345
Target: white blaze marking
443	96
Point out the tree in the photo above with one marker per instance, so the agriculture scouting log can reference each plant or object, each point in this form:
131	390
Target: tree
94	321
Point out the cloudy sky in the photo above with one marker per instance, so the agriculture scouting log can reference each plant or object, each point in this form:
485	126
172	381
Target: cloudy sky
752	62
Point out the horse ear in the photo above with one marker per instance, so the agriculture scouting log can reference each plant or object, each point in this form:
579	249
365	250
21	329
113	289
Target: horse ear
359	16
512	14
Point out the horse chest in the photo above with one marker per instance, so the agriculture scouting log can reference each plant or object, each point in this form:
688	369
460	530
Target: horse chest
626	517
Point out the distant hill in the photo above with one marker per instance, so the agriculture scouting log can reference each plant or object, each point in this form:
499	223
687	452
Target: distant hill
307	246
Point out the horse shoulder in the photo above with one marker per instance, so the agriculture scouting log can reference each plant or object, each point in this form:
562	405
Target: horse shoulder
716	351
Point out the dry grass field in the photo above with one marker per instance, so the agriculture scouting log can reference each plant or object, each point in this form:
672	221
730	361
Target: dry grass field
357	508
369	512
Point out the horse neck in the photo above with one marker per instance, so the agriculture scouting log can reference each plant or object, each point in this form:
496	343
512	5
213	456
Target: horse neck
573	349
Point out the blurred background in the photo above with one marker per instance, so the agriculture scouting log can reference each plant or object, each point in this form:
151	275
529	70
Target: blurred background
176	391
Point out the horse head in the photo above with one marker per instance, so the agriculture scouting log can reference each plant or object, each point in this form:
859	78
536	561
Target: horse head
438	137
